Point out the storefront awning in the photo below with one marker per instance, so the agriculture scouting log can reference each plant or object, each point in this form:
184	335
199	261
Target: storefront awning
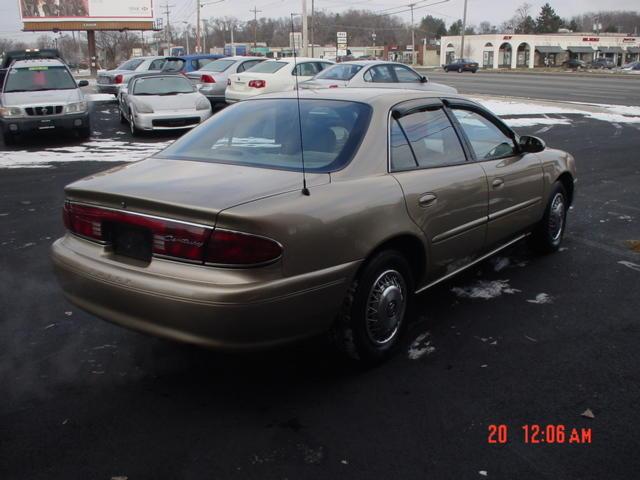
611	49
580	49
633	50
549	49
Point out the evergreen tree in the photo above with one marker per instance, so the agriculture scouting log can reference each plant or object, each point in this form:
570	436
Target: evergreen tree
455	28
548	21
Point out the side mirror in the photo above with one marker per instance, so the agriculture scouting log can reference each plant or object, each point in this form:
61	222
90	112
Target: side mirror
424	79
83	83
531	144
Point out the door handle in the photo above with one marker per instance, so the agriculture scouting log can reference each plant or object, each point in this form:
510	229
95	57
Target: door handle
497	182
427	200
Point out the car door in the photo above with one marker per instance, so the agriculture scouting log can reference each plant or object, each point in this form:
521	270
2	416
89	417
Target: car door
445	191
515	179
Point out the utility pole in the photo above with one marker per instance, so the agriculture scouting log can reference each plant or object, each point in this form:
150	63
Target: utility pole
167	32
464	27
413	37
198	5
255	26
186	35
313	21
305	32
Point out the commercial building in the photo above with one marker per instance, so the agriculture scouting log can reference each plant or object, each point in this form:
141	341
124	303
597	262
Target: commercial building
530	51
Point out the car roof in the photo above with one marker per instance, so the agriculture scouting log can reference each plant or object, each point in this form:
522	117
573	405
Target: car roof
195	56
300	59
40	62
369	62
383	98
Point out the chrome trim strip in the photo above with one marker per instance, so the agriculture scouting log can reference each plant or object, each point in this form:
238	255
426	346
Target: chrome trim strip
155	217
513	208
477	260
459	229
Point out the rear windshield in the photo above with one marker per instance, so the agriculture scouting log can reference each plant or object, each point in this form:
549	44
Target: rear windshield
339	72
218	65
32	79
162	86
268	67
265	133
131	64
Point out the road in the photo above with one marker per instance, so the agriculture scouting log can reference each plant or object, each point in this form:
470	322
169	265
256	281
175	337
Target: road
617	90
82	398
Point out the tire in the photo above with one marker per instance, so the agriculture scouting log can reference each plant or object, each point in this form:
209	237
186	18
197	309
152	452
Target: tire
123	119
460	70
548	234
8	138
132	127
385	282
474	71
446	70
84	132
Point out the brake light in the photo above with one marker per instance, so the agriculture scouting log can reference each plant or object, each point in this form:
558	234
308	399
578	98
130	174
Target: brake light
119	78
257	83
169	238
229	248
207	79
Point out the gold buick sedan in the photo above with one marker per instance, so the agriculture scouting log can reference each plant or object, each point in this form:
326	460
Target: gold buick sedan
281	218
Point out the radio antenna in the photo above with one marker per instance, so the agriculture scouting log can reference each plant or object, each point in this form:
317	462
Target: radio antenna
305	190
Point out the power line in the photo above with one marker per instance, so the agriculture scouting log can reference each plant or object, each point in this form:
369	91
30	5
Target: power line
255	25
167	33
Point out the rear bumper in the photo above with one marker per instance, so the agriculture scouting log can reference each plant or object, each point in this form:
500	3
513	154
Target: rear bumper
209	308
44	123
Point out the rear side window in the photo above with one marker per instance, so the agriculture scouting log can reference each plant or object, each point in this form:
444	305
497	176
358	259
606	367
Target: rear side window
131	64
308	69
340	72
244	66
157	64
432	139
268	67
379	74
264	133
487	140
201	62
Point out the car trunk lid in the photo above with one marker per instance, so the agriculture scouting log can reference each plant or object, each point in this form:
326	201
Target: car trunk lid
185	190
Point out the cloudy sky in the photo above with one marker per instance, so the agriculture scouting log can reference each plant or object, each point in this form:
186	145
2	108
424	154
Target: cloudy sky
495	11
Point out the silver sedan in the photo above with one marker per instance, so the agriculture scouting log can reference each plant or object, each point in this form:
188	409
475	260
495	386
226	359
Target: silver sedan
162	102
212	79
374	73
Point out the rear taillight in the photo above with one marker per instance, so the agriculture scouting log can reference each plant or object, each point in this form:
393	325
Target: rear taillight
207	79
257	83
229	248
119	78
172	238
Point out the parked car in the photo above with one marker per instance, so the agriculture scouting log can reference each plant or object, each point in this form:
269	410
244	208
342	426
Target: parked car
574	64
7	58
212	78
273	76
631	67
214	240
373	73
162	101
42	95
198	60
461	65
109	81
602	63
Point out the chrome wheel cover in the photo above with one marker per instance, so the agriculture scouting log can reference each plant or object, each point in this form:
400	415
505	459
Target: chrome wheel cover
556	217
386	305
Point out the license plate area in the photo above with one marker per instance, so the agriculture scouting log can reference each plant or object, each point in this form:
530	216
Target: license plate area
131	241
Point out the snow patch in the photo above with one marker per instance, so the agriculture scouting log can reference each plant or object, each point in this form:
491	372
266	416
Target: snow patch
485	290
630	265
531	121
101	97
421	346
541	298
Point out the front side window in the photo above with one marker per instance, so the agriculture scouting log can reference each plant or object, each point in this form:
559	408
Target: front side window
344	72
265	133
487	140
157	64
404	75
162	86
31	79
433	139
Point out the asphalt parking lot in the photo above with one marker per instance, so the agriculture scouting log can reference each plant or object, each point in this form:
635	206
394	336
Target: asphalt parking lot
553	336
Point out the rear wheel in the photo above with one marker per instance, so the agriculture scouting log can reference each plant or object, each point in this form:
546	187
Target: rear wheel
459	69
375	311
547	236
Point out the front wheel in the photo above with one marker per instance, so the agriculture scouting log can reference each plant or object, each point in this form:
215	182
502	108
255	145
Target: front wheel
9	138
547	236
132	127
460	70
375	310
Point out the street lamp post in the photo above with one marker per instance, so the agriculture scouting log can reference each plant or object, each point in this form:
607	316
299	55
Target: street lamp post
186	36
